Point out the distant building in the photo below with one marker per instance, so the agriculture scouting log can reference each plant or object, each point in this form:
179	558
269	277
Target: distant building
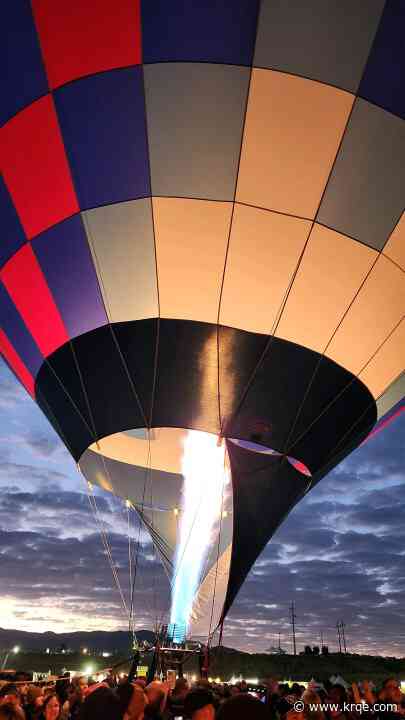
276	650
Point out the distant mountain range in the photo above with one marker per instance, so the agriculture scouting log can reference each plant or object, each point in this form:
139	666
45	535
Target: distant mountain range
108	641
225	662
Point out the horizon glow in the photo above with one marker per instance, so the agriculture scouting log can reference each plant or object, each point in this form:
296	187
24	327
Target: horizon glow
204	478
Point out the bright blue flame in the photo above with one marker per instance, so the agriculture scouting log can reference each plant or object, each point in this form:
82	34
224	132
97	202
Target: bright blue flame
204	476
176	633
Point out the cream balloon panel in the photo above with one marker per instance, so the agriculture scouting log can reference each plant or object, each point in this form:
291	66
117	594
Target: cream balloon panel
120	237
292	133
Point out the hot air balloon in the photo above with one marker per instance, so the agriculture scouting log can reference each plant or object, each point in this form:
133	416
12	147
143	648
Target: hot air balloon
203	242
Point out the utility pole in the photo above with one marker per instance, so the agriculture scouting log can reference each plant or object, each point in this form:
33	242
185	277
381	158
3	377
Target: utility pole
293	618
342	628
321	640
279	644
339	636
4	663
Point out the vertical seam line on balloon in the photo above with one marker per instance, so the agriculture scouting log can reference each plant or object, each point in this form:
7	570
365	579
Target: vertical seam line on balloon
68	395
157	339
156	358
379	251
107	309
387	257
284	302
54	421
242	135
322	355
97	266
227	421
76	180
345	388
294	274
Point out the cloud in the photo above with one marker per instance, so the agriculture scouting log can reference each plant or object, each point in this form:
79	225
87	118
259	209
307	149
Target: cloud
64	513
339	555
14	472
11	393
40	445
72	577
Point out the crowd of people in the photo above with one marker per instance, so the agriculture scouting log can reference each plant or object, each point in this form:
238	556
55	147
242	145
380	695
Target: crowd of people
114	699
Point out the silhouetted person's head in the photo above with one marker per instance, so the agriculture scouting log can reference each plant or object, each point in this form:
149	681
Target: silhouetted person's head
101	704
241	707
8	711
199	705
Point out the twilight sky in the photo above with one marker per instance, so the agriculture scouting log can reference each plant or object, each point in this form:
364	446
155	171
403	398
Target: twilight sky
340	554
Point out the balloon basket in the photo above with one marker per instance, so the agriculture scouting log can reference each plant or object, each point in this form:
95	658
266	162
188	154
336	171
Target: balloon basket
176	650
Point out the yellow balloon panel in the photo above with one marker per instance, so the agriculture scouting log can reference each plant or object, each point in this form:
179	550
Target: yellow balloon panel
292	134
329	276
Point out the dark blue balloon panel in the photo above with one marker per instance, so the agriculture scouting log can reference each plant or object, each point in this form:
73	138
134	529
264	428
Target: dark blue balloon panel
23	77
17	333
12	234
383	81
66	262
102	118
199	31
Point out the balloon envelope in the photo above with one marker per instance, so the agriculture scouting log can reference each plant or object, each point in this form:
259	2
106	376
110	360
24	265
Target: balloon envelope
202	230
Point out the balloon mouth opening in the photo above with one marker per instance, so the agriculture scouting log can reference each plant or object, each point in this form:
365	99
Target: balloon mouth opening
264	450
179	481
133	443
